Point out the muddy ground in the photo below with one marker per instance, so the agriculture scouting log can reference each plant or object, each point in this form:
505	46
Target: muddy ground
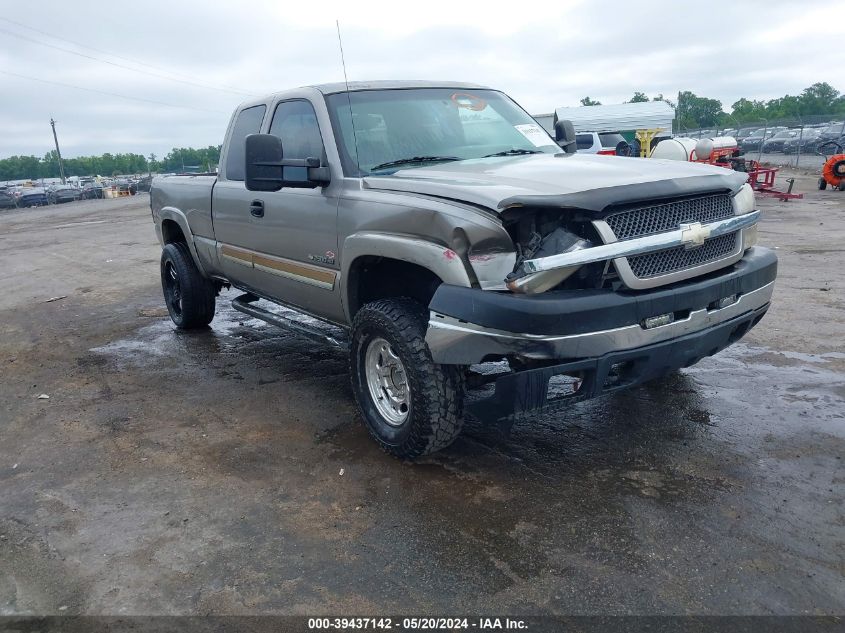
226	471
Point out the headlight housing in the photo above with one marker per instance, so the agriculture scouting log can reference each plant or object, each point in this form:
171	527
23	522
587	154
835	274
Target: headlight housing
743	200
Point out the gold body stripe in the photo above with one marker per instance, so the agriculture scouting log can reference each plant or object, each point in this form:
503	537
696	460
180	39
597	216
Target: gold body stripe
313	275
238	254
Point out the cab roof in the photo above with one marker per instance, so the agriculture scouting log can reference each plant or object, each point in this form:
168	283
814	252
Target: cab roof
392	84
356	86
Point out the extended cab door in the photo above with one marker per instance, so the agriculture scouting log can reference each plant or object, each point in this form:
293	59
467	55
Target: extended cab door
282	244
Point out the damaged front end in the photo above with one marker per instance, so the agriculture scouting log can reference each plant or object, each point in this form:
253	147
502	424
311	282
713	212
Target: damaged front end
595	302
640	245
542	233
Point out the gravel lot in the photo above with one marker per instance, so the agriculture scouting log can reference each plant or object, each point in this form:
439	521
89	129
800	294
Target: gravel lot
226	471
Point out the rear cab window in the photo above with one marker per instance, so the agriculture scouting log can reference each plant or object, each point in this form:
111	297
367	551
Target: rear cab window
583	141
248	122
610	141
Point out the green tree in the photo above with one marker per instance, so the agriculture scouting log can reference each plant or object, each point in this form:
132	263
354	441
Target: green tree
190	159
639	97
660	97
747	110
820	98
694	111
586	101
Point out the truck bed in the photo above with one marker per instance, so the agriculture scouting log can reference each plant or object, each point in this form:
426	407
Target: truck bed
190	194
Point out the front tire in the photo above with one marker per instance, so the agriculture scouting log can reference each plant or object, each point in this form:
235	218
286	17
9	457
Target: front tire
190	297
411	405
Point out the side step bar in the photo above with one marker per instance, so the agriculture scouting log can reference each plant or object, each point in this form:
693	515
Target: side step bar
244	304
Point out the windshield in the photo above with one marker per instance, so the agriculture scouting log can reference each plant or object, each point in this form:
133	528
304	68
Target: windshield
429	124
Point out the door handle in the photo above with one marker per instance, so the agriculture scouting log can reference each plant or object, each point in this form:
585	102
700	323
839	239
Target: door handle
256	208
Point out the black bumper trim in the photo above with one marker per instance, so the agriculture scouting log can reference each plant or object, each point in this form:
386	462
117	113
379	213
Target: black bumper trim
526	391
567	312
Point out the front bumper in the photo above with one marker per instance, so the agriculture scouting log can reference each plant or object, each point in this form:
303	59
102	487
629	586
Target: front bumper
597	336
468	326
531	390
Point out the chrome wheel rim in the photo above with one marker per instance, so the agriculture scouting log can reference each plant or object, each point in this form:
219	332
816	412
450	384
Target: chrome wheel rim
387	382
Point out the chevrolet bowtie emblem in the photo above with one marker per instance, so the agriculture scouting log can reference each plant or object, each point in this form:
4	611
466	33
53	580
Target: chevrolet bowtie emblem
694	234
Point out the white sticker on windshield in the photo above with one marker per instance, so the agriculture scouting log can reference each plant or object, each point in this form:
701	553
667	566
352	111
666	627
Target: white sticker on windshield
535	134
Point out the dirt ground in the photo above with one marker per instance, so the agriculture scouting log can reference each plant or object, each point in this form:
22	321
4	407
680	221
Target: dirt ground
226	471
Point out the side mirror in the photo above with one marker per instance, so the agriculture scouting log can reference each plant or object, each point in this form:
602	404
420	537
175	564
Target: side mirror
565	136
268	170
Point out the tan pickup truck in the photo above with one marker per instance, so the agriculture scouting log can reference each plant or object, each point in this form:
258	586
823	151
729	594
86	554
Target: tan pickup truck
469	261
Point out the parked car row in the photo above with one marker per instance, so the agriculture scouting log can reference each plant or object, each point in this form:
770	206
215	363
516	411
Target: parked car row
809	140
13	196
778	138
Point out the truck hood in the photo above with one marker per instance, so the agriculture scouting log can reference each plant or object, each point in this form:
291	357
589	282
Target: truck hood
586	182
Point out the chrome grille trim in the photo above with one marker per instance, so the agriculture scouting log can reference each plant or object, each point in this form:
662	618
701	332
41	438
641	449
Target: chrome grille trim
648	219
680	258
613	249
666	266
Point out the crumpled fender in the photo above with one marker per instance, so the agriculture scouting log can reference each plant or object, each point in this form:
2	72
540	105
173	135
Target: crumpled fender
439	259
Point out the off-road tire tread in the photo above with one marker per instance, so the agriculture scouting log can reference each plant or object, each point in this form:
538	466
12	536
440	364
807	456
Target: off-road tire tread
199	296
437	390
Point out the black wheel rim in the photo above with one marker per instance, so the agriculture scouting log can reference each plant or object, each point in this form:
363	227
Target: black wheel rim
172	289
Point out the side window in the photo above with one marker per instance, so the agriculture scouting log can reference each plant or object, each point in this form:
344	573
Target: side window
583	141
248	122
295	122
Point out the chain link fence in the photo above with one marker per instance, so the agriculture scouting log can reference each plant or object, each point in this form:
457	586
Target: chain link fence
795	142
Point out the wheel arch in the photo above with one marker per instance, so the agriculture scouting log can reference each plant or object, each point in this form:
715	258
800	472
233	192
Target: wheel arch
380	265
173	227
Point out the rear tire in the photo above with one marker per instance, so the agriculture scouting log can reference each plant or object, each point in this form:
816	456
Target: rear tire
190	297
822	184
411	405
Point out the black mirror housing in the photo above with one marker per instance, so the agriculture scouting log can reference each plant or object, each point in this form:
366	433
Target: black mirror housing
263	155
265	166
565	135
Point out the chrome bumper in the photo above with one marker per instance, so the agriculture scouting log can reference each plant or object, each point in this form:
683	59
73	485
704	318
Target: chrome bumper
456	342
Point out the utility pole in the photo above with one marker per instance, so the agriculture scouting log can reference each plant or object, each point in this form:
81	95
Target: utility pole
58	153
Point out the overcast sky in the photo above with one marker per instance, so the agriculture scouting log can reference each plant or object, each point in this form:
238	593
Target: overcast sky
200	60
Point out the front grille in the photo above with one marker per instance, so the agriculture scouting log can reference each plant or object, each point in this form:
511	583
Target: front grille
680	258
649	219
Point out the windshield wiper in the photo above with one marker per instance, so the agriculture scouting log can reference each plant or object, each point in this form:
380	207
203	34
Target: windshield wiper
513	152
415	159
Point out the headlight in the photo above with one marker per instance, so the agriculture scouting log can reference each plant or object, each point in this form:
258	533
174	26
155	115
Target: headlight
557	242
743	201
749	237
542	281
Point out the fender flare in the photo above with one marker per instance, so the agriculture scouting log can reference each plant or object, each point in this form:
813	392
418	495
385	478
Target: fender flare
176	215
440	260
